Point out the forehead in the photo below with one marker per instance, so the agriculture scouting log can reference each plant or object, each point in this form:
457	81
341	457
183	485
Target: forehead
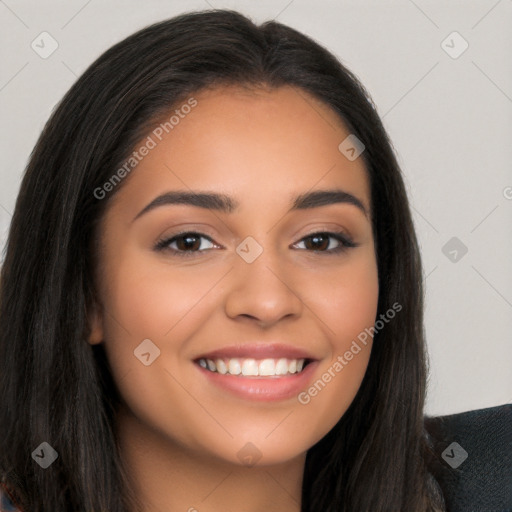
259	145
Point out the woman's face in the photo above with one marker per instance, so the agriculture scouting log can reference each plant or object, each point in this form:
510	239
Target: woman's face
254	287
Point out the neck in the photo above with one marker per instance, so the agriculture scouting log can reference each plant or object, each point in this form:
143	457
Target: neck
168	476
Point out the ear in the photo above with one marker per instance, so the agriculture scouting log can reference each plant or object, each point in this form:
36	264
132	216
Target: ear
95	317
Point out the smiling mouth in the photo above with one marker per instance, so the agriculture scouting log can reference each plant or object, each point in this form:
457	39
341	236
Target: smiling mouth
249	367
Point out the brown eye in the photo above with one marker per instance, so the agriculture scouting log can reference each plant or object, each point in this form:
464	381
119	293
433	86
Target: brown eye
318	242
185	244
189	242
321	242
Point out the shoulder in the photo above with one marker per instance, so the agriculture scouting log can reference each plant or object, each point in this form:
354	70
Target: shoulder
473	458
6	505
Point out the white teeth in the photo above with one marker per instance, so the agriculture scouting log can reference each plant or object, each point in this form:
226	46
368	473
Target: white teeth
267	367
234	367
221	366
252	367
282	367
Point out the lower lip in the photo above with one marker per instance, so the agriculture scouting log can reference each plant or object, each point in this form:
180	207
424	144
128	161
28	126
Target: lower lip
265	389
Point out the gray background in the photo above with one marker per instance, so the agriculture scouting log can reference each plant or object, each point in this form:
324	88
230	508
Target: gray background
449	117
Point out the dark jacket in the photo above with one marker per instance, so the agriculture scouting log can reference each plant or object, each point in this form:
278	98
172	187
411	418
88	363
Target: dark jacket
474	458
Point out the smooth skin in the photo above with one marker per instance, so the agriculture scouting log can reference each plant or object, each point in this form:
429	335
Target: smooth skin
180	436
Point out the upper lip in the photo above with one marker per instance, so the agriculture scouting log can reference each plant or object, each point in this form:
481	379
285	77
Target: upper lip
258	351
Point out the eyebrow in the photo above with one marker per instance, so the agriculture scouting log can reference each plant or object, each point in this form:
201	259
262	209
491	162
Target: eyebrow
226	204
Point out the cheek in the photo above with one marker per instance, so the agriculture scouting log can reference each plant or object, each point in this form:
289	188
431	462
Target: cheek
144	300
345	300
148	299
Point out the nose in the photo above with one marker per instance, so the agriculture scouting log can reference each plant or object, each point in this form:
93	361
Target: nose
263	291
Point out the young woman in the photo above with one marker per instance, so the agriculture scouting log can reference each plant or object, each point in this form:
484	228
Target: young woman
212	292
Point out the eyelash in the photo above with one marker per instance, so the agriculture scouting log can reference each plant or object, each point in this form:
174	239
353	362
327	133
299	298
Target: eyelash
345	243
